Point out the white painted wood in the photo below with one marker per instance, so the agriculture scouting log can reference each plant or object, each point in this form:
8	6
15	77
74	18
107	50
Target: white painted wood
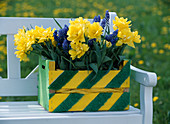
18	87
16	109
146	104
148	79
10	25
112	17
13	63
23	111
115	119
33	73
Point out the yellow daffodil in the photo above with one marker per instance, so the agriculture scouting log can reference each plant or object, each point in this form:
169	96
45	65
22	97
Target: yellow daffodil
94	31
108	44
78	50
126	37
25	39
124	33
80	21
76	33
120	23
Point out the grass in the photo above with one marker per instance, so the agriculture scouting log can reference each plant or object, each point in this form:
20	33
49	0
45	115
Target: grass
149	17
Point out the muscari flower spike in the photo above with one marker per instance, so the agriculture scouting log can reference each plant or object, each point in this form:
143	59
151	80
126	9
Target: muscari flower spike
65	44
112	37
107	16
103	23
55	36
96	18
63	32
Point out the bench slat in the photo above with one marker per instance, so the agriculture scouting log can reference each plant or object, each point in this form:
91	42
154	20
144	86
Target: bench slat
18	87
23	109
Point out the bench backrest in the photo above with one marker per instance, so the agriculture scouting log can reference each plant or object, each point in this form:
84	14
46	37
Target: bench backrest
14	85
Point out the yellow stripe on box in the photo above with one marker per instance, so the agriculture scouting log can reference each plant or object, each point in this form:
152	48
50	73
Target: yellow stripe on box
115	96
102	83
111	101
105	80
126	83
56	100
52	66
83	102
53	75
77	80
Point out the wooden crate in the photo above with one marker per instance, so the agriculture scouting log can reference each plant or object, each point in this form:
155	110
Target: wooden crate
69	90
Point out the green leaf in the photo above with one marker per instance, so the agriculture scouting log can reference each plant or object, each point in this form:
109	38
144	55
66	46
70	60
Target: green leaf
68	61
103	51
110	67
57	23
121	58
94	67
98	54
79	64
62	64
106	59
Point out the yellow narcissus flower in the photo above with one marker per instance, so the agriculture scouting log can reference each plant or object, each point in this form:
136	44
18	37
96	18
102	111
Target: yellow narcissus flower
124	33
120	23
125	37
80	21
78	50
76	33
94	31
22	55
25	39
108	44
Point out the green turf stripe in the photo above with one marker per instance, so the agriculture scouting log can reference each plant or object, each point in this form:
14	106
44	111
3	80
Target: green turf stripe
51	95
98	102
121	103
89	81
68	102
60	81
120	77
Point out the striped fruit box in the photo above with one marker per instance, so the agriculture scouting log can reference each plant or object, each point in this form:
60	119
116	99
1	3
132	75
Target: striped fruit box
74	90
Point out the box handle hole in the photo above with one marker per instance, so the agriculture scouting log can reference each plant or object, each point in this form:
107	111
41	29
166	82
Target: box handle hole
43	67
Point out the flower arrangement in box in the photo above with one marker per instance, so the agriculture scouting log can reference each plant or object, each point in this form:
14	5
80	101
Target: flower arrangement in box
81	67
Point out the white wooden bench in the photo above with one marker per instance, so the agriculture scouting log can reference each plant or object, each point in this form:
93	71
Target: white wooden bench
32	113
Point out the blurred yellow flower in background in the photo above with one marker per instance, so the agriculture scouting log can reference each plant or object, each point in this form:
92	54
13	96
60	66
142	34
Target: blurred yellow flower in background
143	38
164	30
153	45
155	51
136	105
1	69
161	51
140	62
158	78
155	98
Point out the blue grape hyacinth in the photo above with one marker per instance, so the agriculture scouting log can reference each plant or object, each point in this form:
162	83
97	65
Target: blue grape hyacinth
96	18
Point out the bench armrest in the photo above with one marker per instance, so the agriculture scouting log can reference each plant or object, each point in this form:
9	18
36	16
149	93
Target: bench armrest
148	79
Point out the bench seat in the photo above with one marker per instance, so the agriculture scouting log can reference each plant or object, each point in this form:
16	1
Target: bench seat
27	111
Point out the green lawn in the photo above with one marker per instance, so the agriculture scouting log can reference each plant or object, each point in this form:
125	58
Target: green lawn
149	17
